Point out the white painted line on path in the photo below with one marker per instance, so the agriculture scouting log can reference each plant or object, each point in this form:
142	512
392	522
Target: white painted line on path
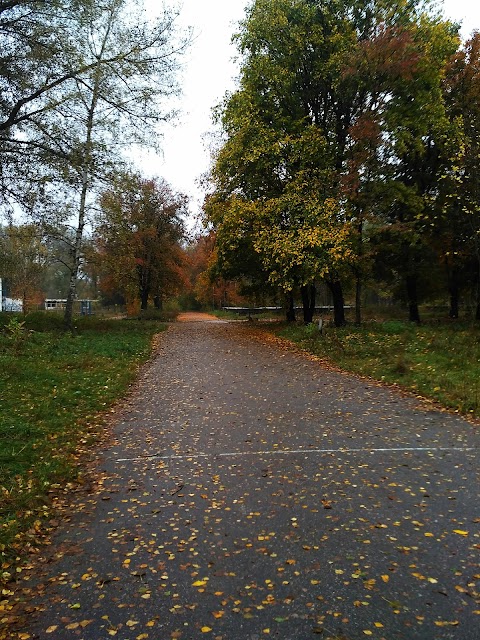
283	452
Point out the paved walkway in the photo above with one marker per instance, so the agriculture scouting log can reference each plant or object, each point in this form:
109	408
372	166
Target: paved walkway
249	493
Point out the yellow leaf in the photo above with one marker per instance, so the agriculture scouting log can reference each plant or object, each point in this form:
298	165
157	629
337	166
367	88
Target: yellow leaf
151	623
199	583
51	629
432	580
385	578
218	614
142	636
131	623
112	632
460	532
445	623
367	632
205	629
379	625
72	625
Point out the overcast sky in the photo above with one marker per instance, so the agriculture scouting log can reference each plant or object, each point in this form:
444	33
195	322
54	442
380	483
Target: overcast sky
210	72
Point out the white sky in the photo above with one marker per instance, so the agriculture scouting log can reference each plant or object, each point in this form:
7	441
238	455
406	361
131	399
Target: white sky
210	72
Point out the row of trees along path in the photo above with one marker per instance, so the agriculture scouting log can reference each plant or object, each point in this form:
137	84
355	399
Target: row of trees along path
350	154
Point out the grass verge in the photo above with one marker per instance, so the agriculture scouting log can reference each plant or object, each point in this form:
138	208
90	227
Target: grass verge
54	389
438	361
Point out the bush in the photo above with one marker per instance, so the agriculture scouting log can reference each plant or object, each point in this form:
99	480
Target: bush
44	321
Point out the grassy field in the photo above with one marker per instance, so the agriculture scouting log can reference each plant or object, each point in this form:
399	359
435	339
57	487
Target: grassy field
54	387
439	360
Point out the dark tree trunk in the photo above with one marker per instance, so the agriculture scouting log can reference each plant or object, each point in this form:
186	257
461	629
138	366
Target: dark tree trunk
158	302
290	308
477	310
454	288
335	287
308	301
412	297
358	300
144	299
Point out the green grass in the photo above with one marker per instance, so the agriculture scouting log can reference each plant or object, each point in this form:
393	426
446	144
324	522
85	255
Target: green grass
54	388
438	361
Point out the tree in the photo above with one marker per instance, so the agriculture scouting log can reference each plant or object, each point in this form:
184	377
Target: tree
458	223
23	262
320	125
138	239
277	156
103	90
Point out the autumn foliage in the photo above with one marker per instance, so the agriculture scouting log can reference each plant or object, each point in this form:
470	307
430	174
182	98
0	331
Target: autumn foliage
350	153
138	241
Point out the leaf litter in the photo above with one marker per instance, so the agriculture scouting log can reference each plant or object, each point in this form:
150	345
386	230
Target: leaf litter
257	543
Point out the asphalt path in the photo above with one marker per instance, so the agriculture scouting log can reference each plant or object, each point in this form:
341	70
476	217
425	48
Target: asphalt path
250	492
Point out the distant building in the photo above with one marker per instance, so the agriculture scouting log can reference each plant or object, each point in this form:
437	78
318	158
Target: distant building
55	304
10	304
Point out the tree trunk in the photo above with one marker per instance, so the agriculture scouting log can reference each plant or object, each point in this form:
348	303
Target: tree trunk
144	299
358	300
158	302
477	289
412	297
335	287
76	250
290	308
308	301
454	288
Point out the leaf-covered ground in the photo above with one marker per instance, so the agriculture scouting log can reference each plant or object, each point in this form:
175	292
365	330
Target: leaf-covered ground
250	493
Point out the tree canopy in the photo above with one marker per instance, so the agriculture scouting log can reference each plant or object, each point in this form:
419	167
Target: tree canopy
336	144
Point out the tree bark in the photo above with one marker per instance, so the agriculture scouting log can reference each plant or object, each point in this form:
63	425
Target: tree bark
76	248
335	287
144	299
412	297
290	308
454	288
308	301
358	299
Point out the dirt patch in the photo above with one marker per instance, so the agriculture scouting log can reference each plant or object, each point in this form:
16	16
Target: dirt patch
193	316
